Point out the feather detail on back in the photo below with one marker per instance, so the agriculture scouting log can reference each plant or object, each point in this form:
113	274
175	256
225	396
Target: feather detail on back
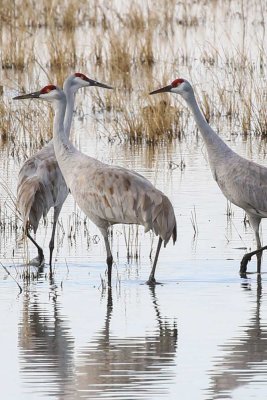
113	195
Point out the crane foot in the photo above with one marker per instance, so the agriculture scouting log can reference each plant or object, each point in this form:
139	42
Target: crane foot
37	261
152	282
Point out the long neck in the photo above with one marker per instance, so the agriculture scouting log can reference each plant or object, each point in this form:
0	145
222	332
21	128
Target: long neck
215	145
62	144
58	125
69	110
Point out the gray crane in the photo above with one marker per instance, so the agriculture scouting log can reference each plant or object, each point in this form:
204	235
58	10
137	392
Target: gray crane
108	194
243	182
40	183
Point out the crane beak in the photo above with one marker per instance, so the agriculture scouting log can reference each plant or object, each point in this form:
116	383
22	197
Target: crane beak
34	95
162	90
98	84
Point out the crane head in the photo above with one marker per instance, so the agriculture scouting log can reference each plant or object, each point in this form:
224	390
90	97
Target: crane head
82	80
177	86
49	92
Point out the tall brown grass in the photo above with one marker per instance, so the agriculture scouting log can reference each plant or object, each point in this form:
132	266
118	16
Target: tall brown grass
132	45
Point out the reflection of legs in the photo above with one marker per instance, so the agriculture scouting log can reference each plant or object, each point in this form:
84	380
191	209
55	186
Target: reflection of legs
57	210
166	327
40	250
151	279
109	256
255	223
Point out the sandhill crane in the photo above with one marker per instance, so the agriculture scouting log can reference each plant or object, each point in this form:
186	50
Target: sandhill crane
41	184
243	182
108	194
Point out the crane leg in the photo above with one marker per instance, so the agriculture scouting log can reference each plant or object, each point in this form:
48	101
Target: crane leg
255	223
40	250
247	258
109	258
151	279
259	254
52	240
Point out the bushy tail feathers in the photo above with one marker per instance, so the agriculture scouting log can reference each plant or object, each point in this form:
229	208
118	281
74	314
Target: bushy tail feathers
30	202
164	221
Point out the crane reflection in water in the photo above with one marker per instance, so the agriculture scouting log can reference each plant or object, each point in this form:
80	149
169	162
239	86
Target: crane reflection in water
243	357
46	347
136	366
108	364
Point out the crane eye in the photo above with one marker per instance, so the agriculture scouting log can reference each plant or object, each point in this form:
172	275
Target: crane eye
47	89
177	82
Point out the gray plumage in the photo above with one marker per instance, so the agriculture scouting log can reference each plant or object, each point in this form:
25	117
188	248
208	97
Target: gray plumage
108	195
41	185
243	182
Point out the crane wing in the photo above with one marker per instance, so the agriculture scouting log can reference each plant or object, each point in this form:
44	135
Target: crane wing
110	195
244	183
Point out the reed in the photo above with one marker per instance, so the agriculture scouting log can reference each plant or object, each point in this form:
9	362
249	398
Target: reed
146	54
63	56
6	122
119	60
135	18
153	121
193	220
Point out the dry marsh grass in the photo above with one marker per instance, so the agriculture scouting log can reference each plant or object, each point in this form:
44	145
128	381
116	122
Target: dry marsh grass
16	52
64	14
135	18
62	55
160	119
119	60
146	54
153	121
27	129
131	46
6	122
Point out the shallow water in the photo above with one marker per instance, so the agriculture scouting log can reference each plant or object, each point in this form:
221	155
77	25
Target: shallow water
203	336
200	334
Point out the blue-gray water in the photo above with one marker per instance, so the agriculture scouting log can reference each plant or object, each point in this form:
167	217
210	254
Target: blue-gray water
200	335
